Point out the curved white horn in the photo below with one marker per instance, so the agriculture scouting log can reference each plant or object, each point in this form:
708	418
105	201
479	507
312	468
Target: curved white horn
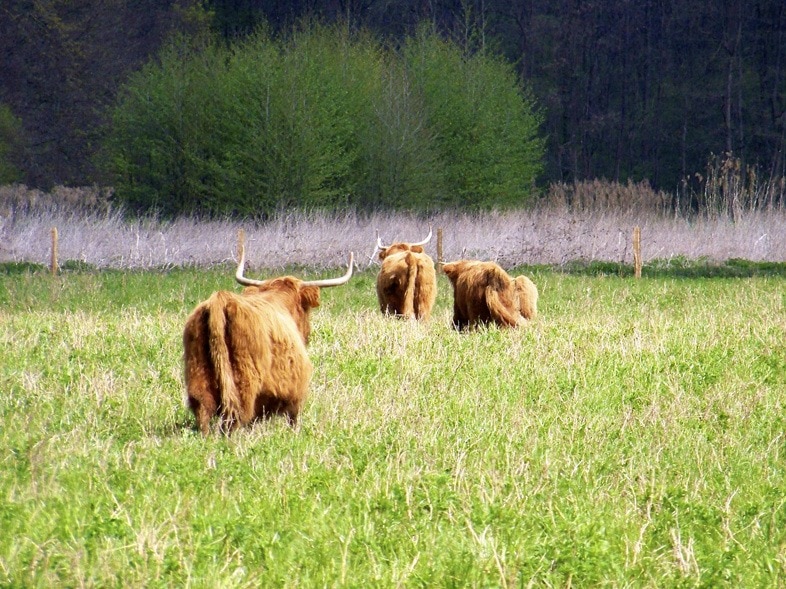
335	281
241	266
425	241
320	283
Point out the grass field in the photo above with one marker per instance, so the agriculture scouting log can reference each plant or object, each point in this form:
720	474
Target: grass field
632	436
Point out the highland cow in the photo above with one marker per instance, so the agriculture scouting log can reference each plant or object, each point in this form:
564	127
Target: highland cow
484	293
407	281
245	354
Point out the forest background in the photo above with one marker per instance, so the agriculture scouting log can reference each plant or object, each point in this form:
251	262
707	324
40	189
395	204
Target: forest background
646	91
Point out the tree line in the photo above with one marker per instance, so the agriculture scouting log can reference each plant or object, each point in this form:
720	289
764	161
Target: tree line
648	90
326	119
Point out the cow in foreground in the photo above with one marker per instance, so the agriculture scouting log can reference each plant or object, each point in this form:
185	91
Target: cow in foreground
484	293
407	281
245	354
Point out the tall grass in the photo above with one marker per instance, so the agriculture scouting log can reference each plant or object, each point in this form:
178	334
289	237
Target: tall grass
585	222
632	436
730	188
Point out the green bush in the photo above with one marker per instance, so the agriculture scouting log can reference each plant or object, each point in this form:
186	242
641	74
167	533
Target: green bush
325	118
319	100
399	165
485	126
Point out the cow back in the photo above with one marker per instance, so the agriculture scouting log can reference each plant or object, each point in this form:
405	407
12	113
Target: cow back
267	352
406	283
289	294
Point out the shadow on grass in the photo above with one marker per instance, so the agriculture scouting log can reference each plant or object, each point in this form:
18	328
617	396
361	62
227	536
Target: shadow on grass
678	268
675	267
14	268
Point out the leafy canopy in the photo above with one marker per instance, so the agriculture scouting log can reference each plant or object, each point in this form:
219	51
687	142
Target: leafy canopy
325	118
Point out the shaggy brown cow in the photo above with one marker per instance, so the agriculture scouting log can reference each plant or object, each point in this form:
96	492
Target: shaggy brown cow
245	354
484	293
407	282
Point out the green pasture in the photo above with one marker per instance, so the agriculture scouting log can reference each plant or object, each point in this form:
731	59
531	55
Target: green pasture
632	436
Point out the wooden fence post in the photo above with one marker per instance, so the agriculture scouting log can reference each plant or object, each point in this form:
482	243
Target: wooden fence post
637	251
53	263
440	259
241	243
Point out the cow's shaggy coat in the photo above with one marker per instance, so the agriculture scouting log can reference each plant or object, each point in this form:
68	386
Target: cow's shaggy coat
484	293
407	282
528	297
245	354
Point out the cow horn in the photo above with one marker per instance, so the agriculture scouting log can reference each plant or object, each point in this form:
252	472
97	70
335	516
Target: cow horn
379	242
335	281
320	283
241	266
425	241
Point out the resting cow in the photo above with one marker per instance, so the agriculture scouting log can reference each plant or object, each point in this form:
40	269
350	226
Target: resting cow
484	293
245	354
407	282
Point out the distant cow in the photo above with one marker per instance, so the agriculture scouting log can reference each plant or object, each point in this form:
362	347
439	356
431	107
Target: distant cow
407	282
245	354
484	293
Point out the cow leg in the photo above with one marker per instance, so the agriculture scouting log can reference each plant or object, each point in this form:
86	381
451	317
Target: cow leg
199	375
203	412
292	411
202	403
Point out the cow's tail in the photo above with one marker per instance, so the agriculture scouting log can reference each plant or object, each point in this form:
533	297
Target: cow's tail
408	307
502	307
221	304
504	314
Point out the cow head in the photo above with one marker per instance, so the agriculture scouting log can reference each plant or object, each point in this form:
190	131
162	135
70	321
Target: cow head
416	246
297	296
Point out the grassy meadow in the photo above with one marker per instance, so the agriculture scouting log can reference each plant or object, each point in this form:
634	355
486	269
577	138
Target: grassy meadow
632	436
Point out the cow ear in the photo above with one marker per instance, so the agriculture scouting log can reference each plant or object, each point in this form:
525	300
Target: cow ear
309	297
417	249
383	253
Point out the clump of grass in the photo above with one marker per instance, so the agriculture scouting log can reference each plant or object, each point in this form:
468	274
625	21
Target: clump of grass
730	189
607	197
